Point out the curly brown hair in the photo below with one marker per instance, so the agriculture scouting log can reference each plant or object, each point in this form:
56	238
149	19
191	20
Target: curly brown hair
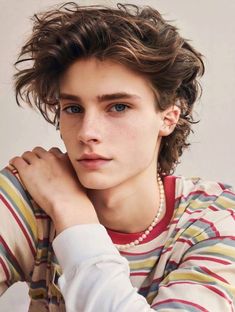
138	38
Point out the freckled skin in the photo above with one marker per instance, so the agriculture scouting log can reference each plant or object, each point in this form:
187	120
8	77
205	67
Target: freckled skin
131	138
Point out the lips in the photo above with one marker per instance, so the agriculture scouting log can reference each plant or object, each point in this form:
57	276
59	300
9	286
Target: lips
92	156
93	161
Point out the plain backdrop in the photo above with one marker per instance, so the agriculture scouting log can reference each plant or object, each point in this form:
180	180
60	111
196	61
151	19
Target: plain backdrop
209	24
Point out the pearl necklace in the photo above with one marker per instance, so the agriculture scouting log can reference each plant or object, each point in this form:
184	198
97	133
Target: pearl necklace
154	222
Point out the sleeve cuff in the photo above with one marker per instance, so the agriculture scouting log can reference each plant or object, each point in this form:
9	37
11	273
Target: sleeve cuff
82	242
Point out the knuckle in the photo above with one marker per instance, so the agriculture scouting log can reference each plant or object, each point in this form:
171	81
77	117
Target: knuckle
56	152
37	149
54	149
14	159
17	161
27	153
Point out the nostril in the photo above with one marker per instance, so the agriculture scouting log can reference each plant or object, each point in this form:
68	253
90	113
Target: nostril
87	141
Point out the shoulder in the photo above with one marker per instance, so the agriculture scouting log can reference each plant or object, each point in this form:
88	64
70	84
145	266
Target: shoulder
12	190
10	181
15	198
197	190
204	207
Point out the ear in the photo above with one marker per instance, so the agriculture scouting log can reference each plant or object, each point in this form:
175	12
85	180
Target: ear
170	117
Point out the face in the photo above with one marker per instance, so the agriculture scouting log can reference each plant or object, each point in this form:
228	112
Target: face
109	111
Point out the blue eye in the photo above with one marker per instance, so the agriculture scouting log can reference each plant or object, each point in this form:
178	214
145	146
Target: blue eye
73	109
119	107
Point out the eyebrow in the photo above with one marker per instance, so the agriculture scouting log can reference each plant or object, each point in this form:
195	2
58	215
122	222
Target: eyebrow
103	97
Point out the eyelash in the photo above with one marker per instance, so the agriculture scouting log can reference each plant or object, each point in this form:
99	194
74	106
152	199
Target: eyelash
66	109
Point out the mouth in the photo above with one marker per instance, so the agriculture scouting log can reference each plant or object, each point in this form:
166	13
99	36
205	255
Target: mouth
93	163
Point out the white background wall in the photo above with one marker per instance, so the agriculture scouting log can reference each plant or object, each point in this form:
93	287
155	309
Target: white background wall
211	26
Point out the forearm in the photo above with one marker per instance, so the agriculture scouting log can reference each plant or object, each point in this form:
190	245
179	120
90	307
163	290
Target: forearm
94	273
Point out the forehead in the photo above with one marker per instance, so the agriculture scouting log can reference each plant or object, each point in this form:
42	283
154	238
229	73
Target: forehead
91	75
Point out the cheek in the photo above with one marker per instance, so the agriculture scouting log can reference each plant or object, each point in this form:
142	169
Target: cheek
142	133
69	138
137	140
67	130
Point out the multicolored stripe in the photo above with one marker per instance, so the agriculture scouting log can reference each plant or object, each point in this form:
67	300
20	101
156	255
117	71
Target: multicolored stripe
188	266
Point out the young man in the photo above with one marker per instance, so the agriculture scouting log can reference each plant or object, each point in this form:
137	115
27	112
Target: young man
106	224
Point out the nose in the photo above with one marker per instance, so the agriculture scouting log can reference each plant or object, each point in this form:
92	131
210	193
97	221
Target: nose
89	131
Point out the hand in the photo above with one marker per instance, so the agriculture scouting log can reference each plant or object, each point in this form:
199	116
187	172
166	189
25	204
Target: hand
52	182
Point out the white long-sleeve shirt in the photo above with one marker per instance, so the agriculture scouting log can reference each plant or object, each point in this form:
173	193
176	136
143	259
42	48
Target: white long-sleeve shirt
96	276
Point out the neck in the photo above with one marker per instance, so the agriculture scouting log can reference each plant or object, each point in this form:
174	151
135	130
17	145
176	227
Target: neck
129	207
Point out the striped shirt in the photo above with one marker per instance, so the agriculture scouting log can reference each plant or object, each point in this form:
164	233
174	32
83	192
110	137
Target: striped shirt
187	263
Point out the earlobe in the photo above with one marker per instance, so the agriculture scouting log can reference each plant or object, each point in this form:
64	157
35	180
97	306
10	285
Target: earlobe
170	118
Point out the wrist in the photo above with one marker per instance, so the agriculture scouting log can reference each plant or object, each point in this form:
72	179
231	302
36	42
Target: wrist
67	213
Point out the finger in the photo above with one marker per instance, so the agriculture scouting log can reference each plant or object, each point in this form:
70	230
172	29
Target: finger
18	163
29	157
39	151
56	151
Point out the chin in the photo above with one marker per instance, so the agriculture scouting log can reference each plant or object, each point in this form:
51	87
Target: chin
95	183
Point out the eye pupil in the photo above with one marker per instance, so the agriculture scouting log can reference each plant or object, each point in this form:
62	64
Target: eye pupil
75	109
120	107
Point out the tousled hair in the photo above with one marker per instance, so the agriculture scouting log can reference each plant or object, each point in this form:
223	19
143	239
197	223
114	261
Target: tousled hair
138	38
